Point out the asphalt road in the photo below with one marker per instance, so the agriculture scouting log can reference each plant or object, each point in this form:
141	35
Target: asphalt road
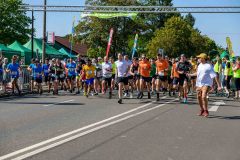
70	127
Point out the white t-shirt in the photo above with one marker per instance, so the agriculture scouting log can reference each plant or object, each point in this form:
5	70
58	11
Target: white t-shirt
205	75
129	63
107	69
121	68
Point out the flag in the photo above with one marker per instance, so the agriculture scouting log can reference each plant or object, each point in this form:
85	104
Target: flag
135	45
109	41
73	32
229	45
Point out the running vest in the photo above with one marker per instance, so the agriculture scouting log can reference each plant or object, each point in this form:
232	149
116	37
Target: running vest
236	73
217	67
230	73
135	68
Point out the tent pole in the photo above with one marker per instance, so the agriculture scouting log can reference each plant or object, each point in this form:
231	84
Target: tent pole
32	32
44	32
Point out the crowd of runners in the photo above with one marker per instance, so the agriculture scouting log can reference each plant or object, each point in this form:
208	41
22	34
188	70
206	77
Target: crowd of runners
132	78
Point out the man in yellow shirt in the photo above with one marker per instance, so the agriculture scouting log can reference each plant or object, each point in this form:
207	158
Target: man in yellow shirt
89	71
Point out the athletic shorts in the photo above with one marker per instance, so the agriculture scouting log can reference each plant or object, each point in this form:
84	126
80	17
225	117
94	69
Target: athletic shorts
169	79
154	76
162	78
38	80
182	78
47	79
113	76
89	81
123	80
130	77
193	77
237	84
72	77
146	79
14	79
108	80
226	83
175	81
98	78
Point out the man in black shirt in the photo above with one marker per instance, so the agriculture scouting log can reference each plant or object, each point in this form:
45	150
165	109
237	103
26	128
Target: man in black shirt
183	68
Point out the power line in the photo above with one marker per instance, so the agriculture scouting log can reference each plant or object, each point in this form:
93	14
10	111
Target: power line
130	9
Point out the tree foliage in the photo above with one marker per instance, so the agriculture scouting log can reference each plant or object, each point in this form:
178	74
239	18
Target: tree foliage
179	37
14	24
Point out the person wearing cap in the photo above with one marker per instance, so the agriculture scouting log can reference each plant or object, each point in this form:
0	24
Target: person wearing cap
161	72
236	75
37	75
14	68
205	75
228	74
89	71
183	68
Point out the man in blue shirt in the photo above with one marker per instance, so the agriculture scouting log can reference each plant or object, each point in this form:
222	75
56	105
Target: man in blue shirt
37	75
14	68
30	71
71	69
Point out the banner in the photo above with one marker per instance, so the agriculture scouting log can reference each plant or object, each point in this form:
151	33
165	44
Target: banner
229	45
135	45
51	38
109	15
109	41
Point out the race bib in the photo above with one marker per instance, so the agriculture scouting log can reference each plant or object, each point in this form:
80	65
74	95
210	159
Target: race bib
37	74
71	69
89	72
161	73
98	74
46	71
62	75
14	73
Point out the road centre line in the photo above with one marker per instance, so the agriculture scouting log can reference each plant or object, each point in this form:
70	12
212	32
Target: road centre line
46	105
39	150
73	132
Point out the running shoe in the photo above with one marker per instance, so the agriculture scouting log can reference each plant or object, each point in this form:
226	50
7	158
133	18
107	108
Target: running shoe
185	100
149	95
120	101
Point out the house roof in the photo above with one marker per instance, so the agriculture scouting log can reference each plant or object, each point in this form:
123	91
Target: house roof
77	47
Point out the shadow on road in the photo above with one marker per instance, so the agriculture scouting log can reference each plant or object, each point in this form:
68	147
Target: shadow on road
226	117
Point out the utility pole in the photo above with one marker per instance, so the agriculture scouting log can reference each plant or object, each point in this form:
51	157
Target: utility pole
44	33
32	36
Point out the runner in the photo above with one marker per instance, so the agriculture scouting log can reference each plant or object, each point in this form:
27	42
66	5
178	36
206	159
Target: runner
113	71
134	72
236	74
37	75
175	76
228	73
47	77
169	79
204	82
144	70
122	71
71	70
98	75
89	71
107	76
161	72
60	73
193	78
153	75
183	69
14	69
31	74
130	78
4	75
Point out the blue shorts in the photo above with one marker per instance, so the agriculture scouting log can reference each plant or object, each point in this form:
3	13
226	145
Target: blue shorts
90	81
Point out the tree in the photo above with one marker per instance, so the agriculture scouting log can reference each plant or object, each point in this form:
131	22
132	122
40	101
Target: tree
14	24
190	19
95	31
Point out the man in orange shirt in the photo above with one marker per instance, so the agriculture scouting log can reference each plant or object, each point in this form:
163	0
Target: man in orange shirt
175	75
161	72
144	71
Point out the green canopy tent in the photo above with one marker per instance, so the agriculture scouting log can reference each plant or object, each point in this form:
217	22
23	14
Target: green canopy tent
7	52
37	45
25	52
66	54
224	53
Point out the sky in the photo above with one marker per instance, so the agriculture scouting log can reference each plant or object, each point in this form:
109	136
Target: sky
216	26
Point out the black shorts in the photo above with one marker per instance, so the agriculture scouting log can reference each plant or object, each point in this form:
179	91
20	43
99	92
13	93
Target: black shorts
146	79
169	79
123	80
108	80
226	83
175	81
182	78
130	77
162	78
154	77
113	76
47	79
98	78
38	80
71	78
237	84
193	77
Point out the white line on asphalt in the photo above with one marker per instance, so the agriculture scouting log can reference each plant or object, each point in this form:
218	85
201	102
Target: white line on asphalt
71	100
39	150
72	132
213	109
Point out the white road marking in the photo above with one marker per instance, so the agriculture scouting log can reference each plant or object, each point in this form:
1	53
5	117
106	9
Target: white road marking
216	106
71	100
39	150
72	132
